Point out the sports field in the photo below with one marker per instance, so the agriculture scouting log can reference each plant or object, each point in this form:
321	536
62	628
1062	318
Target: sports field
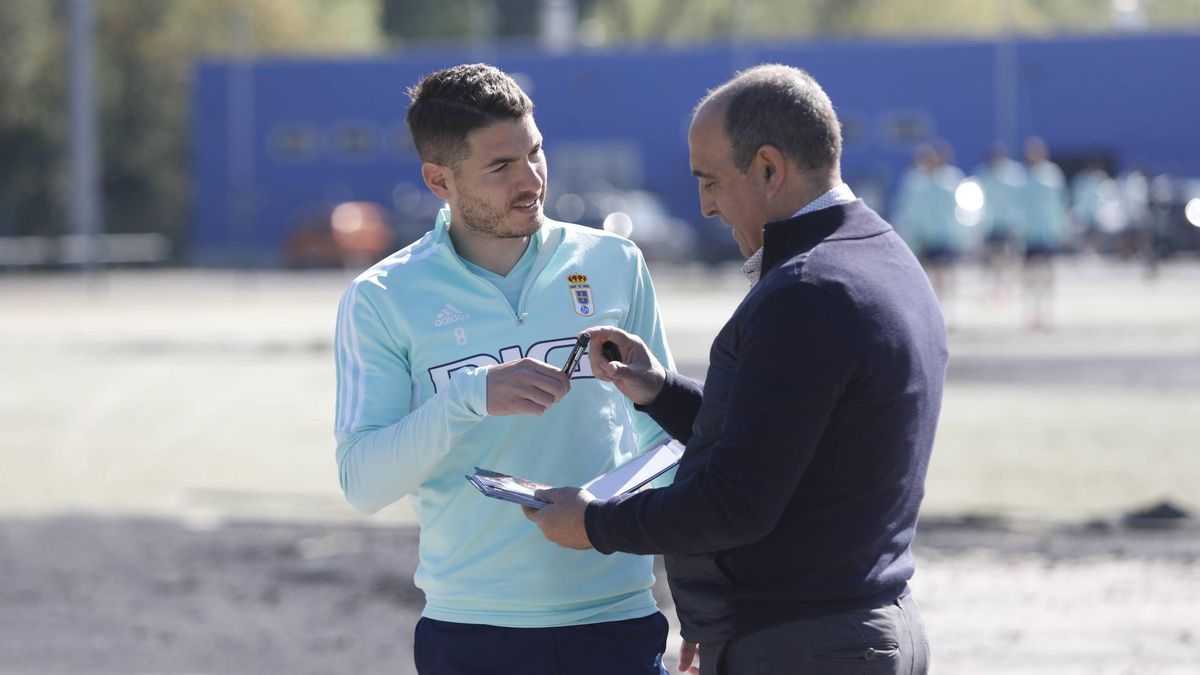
169	500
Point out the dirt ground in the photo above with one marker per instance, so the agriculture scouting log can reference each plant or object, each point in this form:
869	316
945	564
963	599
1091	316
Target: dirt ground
97	596
169	504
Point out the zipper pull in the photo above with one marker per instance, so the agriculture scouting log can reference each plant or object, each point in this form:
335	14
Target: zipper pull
521	318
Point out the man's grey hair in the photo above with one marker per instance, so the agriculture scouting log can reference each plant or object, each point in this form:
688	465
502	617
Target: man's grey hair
783	106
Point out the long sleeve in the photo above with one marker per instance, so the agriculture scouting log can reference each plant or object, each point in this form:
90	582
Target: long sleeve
797	353
384	449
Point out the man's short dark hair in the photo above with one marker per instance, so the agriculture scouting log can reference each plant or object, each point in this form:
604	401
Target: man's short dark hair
781	106
451	103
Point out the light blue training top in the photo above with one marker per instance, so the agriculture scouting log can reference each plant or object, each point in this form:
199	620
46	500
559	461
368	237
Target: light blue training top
417	334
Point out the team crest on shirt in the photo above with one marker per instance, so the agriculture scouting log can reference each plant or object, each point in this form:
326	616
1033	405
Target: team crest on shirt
581	294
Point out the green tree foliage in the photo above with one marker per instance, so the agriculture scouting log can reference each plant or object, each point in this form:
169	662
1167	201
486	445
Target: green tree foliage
31	132
416	21
420	22
145	51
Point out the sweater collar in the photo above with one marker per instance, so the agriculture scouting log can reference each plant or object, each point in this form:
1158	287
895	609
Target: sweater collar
784	239
840	194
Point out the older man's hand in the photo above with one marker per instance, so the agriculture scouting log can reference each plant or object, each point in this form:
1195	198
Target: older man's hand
632	366
561	519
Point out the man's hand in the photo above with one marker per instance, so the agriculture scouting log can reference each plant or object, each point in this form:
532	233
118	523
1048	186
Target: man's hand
524	387
561	519
690	651
637	373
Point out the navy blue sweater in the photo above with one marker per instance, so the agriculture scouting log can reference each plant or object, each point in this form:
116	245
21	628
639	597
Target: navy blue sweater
808	445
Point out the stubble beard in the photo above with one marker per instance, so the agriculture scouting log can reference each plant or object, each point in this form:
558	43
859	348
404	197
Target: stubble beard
487	220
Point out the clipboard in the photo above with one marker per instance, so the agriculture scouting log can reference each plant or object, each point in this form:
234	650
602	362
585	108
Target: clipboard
629	477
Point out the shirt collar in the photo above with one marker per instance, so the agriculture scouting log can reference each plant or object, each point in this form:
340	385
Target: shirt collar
842	194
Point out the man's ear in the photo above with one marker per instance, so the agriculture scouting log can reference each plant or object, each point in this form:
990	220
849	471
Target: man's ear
439	178
771	167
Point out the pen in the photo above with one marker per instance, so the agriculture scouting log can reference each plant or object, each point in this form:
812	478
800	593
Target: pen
576	354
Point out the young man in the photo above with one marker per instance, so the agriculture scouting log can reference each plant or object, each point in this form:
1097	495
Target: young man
449	357
787	531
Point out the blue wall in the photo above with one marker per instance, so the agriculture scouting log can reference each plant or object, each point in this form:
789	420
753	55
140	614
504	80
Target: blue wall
1134	99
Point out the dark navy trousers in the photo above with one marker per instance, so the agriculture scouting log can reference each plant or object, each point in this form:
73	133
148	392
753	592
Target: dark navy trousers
631	647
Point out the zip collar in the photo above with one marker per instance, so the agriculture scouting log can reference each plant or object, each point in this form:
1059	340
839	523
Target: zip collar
549	236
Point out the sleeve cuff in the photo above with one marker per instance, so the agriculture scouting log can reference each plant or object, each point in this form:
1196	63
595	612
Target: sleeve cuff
471	386
677	390
593	517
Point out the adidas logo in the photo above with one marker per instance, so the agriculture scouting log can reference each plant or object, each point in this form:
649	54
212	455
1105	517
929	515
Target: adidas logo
450	314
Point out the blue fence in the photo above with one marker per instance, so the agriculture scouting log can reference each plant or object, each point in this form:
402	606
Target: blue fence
275	142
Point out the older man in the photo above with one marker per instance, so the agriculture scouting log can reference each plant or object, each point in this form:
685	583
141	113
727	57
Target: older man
788	528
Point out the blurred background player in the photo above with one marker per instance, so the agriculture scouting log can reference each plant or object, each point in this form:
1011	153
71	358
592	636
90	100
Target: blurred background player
1096	210
926	215
1001	179
1044	198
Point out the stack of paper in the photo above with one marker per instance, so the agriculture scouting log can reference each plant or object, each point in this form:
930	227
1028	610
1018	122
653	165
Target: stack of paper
505	487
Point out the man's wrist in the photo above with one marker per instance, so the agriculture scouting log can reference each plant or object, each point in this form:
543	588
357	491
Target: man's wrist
659	381
663	382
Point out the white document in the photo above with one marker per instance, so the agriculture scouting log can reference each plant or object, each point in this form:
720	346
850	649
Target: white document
636	472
